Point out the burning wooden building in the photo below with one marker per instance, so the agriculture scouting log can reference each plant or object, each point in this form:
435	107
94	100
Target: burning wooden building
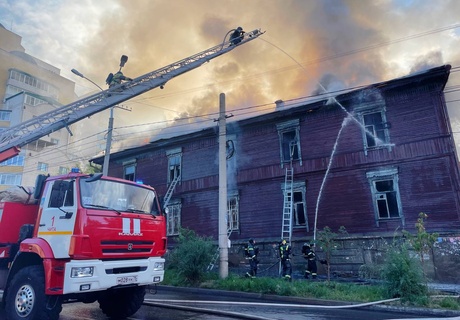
369	159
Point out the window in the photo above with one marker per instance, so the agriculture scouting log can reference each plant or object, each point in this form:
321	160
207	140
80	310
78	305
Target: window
233	213
289	135
299	206
61	194
10	179
370	106
63	170
385	193
375	129
174	164
42	166
173	215
54	141
34	82
33	101
15	161
5	115
129	172
299	214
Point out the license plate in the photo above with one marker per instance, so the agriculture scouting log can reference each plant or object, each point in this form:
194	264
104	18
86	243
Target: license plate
127	280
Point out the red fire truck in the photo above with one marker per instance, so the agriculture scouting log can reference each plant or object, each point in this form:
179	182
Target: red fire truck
80	237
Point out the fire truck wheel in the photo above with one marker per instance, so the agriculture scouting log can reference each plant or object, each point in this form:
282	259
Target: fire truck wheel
121	303
26	299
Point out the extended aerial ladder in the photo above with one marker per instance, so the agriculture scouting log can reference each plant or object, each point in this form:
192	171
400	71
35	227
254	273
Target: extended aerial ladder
12	139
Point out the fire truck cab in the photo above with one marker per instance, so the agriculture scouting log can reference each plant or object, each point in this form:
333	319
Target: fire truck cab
80	238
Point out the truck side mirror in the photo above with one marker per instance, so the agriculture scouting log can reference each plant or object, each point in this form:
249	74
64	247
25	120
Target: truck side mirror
39	183
94	177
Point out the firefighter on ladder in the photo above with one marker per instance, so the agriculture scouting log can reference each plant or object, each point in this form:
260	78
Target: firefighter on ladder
118	77
237	36
285	258
310	256
252	252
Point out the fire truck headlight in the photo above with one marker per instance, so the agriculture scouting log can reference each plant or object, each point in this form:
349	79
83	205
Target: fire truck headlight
81	272
159	266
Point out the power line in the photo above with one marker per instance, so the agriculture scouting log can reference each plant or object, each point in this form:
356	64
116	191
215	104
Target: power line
262	107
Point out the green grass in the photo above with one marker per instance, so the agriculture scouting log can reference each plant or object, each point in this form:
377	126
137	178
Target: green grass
338	291
304	289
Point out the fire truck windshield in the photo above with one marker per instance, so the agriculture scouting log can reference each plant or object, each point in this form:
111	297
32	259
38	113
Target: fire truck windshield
117	196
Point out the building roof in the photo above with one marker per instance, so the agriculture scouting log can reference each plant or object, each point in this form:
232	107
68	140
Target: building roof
286	108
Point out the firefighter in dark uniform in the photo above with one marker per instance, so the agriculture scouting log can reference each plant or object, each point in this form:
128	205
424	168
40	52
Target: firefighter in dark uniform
237	35
285	258
252	252
117	78
310	256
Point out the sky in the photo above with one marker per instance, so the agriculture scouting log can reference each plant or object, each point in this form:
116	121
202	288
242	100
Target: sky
307	45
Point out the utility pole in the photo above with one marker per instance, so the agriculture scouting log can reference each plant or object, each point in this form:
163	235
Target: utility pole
223	237
108	145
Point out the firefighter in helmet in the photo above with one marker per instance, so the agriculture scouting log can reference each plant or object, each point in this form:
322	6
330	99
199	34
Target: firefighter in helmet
252	252
237	35
310	256
285	258
117	78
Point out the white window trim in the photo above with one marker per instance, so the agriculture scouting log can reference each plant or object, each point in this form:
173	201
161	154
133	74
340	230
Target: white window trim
299	187
236	196
176	152
290	125
385	174
178	205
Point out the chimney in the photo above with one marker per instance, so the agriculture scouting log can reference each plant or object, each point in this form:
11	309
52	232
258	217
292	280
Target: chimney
279	104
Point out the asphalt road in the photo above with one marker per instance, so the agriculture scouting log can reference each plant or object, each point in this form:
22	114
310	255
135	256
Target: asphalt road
251	306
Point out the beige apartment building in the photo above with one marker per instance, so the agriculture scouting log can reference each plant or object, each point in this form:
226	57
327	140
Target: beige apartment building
30	87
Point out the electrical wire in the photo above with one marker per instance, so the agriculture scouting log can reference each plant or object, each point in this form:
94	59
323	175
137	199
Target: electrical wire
260	108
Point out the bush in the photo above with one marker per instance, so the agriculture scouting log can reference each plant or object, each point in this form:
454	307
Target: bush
190	257
404	275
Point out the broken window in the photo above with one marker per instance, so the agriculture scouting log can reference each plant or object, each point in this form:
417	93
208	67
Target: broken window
299	213
129	172
385	193
375	129
370	106
173	219
289	134
233	213
289	141
299	205
174	164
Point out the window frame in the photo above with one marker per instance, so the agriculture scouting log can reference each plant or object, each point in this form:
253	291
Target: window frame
42	166
177	170
17	160
126	167
377	196
233	212
10	179
372	102
283	128
63	170
298	187
5	115
174	216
